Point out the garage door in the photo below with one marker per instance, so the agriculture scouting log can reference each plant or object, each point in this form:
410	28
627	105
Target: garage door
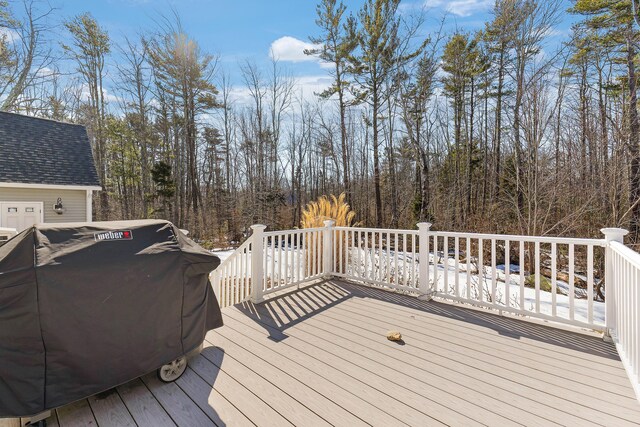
20	215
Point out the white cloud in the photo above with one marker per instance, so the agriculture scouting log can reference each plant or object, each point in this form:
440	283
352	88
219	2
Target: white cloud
308	86
291	49
10	35
305	88
109	97
461	7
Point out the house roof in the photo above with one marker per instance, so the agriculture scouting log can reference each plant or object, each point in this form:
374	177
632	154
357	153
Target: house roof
42	151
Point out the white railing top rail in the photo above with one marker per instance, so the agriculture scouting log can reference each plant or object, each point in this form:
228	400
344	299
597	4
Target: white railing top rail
377	230
292	231
627	253
487	236
514	237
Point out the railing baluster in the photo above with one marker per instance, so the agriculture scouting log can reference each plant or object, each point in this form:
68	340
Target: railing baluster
468	256
445	259
572	292
480	271
590	283
395	254
456	254
507	273
227	285
301	258
347	249
436	278
554	279
414	262
287	238
234	288
372	256
317	253
366	255
358	252
388	257
340	235
636	323
265	264
380	258
280	281
521	267
537	276
494	278
243	275
247	264
350	254
238	279
404	258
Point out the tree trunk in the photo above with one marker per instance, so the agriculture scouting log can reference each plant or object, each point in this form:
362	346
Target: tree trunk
634	141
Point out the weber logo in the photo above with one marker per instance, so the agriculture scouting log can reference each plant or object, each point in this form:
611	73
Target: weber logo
113	235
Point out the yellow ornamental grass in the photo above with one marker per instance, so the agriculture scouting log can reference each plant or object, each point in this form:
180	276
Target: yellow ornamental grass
314	215
332	207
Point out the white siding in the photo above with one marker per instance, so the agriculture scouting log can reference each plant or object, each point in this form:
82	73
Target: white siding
74	202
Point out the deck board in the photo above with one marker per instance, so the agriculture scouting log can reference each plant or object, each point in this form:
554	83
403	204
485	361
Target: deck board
110	411
177	403
142	405
252	406
288	407
319	356
77	414
208	399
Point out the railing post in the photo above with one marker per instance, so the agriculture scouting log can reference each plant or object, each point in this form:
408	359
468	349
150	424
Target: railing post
610	235
257	260
327	248
423	272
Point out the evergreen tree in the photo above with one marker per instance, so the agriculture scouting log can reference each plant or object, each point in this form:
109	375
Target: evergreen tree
337	44
611	24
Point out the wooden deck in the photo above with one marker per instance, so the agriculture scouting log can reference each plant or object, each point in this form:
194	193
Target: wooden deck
319	356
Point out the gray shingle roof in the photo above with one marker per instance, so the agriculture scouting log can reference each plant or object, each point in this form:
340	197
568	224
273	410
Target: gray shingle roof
41	151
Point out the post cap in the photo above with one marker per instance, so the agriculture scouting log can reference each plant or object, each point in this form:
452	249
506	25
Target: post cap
614	234
329	223
258	227
426	225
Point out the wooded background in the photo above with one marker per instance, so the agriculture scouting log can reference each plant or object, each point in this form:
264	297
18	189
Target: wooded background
493	130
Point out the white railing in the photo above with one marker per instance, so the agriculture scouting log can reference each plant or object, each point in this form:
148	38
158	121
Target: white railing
292	257
388	258
231	281
531	276
551	278
623	303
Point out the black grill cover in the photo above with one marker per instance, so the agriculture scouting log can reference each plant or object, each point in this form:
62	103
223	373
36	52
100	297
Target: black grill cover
86	307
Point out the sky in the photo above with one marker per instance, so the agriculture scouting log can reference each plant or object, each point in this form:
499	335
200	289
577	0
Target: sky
256	30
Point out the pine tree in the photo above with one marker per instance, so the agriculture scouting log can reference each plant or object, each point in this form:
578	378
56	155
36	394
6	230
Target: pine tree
380	56
611	23
89	49
338	42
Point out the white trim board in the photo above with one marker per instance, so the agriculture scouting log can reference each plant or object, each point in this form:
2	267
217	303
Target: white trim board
50	186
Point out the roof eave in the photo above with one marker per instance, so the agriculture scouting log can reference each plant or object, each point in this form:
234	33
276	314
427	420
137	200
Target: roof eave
50	186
